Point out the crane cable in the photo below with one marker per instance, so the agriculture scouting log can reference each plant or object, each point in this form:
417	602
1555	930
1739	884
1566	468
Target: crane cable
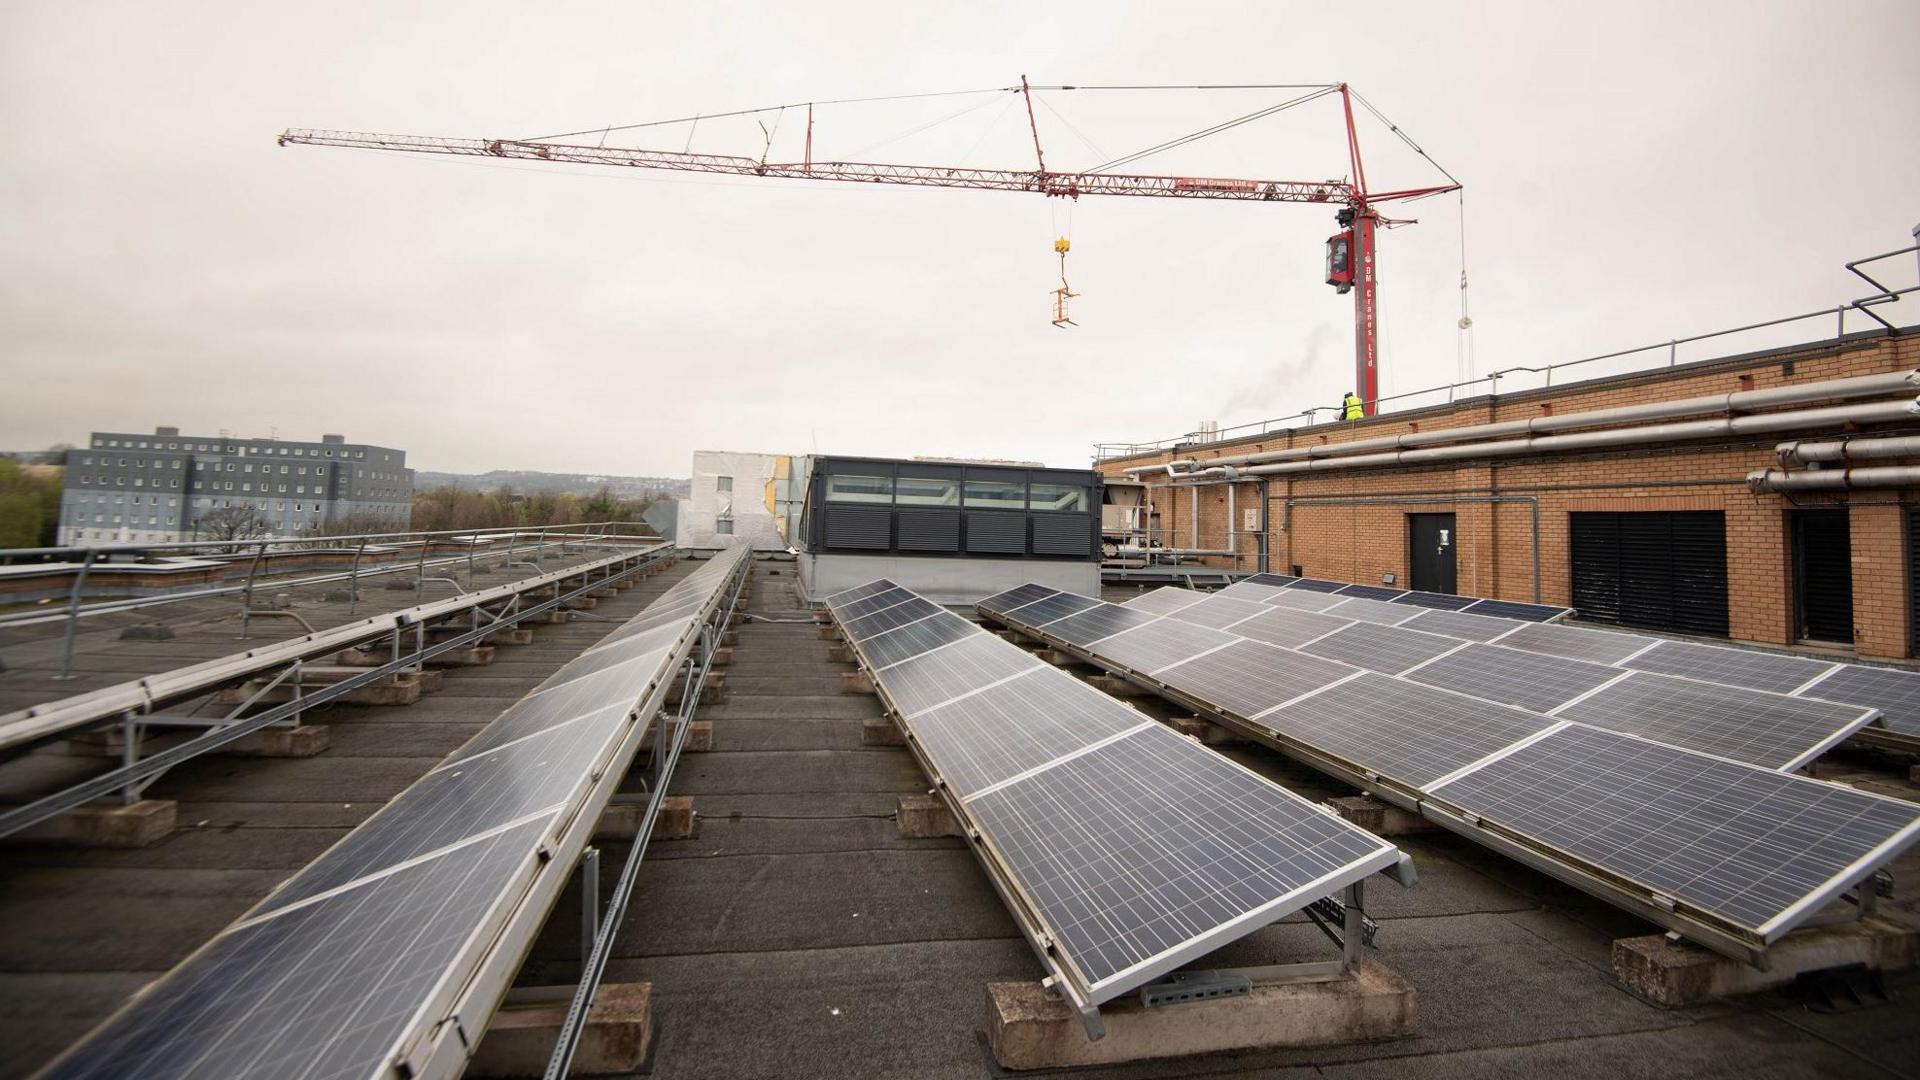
1215	129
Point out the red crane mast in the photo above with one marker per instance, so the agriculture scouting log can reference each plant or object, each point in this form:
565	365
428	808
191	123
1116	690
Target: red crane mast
1351	255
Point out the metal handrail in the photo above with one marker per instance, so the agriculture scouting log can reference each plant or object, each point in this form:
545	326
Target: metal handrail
238	544
1308	417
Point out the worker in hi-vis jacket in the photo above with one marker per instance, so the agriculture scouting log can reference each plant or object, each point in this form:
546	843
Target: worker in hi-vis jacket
1351	407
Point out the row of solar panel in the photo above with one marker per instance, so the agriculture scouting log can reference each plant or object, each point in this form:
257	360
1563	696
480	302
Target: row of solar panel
1894	692
1752	849
1136	847
330	974
1753	726
1472	605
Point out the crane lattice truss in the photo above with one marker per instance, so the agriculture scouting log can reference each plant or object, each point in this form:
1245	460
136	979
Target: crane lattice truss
1360	215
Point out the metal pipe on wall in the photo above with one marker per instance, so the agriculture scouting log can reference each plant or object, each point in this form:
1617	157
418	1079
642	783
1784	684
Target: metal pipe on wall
1832	391
1883	476
1800	452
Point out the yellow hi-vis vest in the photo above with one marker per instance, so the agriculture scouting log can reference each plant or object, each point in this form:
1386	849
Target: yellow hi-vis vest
1354	409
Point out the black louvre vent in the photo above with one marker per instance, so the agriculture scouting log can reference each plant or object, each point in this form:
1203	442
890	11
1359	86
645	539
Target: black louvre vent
929	530
1060	534
997	533
863	527
1663	570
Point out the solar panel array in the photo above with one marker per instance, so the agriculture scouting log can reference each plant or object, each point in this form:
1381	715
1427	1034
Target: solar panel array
1708	831
1135	848
337	972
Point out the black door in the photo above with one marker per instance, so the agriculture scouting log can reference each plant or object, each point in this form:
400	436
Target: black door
1822	576
1431	539
1661	569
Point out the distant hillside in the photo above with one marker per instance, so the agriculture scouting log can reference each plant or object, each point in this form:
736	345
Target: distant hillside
627	487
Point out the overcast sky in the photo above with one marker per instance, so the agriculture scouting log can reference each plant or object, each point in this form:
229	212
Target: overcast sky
1633	172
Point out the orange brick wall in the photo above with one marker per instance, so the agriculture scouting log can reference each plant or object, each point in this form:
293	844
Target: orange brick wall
1495	553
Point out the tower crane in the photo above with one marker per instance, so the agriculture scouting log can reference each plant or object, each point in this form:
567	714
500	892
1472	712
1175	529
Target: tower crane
1351	253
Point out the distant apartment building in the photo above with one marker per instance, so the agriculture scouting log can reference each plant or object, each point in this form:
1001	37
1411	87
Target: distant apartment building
164	486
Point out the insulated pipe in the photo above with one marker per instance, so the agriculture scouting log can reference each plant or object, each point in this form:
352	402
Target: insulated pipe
1806	453
1873	413
1830	392
1883	476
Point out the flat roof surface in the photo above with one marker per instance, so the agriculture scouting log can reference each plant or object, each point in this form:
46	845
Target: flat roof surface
797	934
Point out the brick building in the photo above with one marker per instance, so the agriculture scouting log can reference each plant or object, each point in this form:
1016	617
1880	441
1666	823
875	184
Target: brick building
165	486
1665	535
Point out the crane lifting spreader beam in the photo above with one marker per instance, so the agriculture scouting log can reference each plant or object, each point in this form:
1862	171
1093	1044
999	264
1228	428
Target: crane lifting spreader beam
1351	262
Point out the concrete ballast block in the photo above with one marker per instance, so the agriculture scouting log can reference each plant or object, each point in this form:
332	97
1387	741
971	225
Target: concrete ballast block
1028	1029
133	826
1379	818
855	682
923	817
1682	974
617	1036
622	819
880	731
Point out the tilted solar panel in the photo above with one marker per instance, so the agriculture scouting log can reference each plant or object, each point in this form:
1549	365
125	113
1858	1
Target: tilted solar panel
1509	609
1317	585
1440	601
1574	643
1160	644
1755	848
1386	649
1458	624
1894	692
1278	581
1049	608
1288	628
1007	728
1749	668
1014	597
1373	611
916	638
1218	612
1373	592
1511	677
1769	730
1099	622
1305	600
1164	600
1250	677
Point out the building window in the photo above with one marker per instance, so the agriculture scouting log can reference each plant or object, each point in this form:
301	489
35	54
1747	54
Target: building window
1069	497
723	527
926	491
999	494
842	487
723	483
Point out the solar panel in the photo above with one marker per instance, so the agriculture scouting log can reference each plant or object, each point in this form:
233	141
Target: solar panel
1529	680
1387	649
1747	668
1248	677
933	678
1754	848
1014	597
912	609
1439	600
1305	601
1004	730
915	638
1099	622
1598	646
1894	692
1509	609
1287	628
1373	611
1459	625
871	603
1164	600
1769	730
327	990
1247	590
1218	611
1414	734
1058	606
1150	849
1317	585
1278	581
1373	592
1156	645
351	965
839	600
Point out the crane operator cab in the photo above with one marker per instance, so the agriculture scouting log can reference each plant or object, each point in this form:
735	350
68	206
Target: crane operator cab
1340	261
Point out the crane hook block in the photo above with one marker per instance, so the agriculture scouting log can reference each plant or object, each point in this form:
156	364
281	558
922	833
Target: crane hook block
1062	245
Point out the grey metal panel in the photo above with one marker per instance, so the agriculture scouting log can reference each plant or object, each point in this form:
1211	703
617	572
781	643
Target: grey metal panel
1218	612
1768	730
1249	677
1387	649
922	529
1509	609
1005	730
933	678
1095	623
1894	692
1414	734
915	638
1754	847
1158	644
1529	680
1373	611
1574	643
1747	668
1014	597
1055	534
1137	850
862	527
996	532
1463	626
1287	628
1164	600
325	990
